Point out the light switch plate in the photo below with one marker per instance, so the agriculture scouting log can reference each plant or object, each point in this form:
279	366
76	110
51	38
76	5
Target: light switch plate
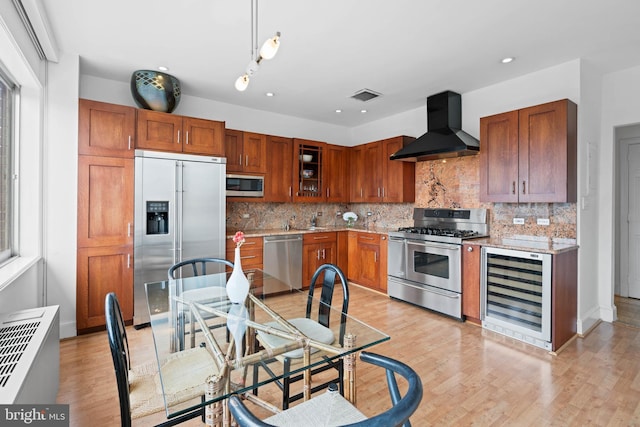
543	221
518	221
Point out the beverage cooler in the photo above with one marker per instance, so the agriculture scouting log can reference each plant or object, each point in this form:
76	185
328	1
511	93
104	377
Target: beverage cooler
516	294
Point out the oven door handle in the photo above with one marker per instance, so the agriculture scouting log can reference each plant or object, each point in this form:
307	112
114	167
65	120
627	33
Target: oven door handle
451	247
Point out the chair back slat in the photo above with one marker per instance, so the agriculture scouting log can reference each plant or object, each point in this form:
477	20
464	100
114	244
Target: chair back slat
328	273
119	345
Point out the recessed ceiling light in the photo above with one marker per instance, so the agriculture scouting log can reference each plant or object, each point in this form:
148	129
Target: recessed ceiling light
163	68
507	59
338	111
269	94
363	111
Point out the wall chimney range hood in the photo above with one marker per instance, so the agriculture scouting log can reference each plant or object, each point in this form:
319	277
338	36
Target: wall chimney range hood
444	137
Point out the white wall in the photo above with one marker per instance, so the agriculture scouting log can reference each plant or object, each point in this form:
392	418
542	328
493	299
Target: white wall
620	107
61	200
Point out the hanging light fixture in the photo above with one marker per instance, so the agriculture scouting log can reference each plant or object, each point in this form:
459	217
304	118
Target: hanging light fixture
267	51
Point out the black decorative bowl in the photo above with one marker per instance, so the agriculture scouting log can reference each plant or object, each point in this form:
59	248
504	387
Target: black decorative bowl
154	90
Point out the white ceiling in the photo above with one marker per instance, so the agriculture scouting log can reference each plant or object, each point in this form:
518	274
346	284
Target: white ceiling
404	49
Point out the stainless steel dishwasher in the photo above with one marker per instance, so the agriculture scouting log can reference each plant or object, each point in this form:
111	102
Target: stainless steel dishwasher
282	258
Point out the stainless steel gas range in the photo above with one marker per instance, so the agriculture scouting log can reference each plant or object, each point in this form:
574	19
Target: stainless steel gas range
425	261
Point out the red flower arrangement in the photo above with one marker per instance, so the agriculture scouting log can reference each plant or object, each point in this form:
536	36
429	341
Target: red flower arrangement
239	239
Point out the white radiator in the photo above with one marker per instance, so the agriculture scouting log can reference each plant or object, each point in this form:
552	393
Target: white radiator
30	356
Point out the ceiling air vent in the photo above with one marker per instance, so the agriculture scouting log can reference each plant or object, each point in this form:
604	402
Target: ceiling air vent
365	95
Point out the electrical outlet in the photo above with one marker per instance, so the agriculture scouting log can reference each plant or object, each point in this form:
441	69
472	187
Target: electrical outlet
245	216
543	221
518	221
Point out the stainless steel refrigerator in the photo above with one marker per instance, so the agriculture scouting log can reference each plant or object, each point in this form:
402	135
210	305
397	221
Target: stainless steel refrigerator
179	214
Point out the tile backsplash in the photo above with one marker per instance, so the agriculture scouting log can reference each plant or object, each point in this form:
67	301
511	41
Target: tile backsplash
453	183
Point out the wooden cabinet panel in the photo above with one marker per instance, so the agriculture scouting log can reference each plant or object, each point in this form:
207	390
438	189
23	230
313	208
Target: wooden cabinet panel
203	137
233	149
358	170
254	150
548	153
159	131
376	179
336	172
251	253
564	297
471	283
530	155
105	201
399	177
246	151
309	188
368	260
168	132
317	249
106	129
279	177
499	157
99	271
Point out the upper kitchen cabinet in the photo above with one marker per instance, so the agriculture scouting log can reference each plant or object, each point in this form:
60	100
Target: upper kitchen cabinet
375	178
530	155
308	170
279	178
336	173
169	132
245	151
106	129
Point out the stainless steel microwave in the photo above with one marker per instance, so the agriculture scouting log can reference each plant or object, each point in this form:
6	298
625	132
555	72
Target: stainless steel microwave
245	185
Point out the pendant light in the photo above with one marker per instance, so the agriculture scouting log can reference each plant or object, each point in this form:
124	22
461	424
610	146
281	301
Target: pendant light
267	51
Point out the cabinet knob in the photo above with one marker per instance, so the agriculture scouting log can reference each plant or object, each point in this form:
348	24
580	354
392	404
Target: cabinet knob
470	249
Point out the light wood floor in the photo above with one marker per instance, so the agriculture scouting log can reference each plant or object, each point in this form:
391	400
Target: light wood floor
471	377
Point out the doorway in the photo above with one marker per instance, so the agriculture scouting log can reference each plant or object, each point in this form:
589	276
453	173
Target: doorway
627	259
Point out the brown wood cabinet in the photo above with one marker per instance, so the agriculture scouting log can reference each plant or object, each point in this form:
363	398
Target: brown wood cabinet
564	297
471	283
169	132
279	176
101	270
368	260
105	238
245	151
106	129
317	249
530	155
336	171
251	253
324	177
375	178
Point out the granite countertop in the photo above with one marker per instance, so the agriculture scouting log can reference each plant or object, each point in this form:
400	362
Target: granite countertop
527	243
281	232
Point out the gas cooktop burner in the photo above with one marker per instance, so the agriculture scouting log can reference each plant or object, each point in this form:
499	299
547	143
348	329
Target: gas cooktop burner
449	232
445	225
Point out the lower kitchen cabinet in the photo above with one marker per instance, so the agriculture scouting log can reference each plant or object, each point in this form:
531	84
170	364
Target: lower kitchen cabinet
471	283
101	270
317	249
368	260
251	254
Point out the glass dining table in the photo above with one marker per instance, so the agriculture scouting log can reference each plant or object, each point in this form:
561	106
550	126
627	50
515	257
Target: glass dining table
195	312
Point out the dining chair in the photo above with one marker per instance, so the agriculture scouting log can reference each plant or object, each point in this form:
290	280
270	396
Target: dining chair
324	277
198	268
138	385
331	409
194	264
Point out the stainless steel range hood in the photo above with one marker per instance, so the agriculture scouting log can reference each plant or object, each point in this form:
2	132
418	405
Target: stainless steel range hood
444	137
